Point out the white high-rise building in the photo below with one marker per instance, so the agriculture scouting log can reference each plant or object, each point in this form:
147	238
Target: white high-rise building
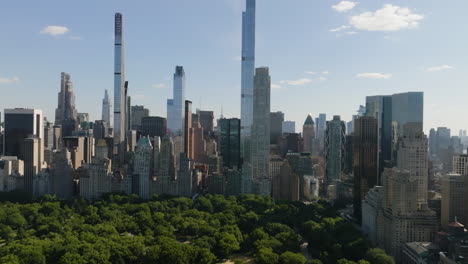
247	75
120	100
176	105
142	166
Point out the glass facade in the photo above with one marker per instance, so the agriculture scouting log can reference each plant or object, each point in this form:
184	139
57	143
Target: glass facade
247	71
230	142
119	90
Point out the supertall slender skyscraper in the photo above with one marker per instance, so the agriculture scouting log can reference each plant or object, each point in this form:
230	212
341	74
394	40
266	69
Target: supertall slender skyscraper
106	108
247	71
175	106
119	92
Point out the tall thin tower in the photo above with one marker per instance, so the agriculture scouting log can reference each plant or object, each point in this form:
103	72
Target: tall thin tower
106	108
247	78
119	92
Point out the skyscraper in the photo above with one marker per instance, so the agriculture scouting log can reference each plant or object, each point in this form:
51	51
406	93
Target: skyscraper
32	161
247	74
308	133
335	149
66	114
138	112
142	171
175	106
412	156
260	143
120	99
106	105
276	126
188	139
365	146
321	123
230	142
20	124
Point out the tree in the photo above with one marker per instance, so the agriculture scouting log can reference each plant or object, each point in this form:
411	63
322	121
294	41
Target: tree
378	256
266	256
226	244
292	258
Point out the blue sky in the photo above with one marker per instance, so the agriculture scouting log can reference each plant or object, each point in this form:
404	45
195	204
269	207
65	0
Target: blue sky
324	56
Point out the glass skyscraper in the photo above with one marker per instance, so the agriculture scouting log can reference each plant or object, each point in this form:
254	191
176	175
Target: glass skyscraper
119	91
175	106
247	71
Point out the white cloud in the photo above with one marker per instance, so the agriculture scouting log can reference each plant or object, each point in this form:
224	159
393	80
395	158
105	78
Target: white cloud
322	78
439	68
54	30
275	86
9	80
325	72
351	32
340	28
297	82
388	18
158	85
374	75
344	6
310	72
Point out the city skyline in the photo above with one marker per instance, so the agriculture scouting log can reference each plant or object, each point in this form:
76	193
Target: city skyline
291	66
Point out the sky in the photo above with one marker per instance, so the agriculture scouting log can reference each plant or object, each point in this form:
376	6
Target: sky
325	56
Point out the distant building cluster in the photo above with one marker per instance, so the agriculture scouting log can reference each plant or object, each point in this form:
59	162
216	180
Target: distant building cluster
406	190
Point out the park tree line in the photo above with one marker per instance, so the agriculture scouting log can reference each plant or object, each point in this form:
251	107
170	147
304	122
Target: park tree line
211	229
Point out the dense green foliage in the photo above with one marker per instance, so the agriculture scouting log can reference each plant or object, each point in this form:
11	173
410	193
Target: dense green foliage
126	229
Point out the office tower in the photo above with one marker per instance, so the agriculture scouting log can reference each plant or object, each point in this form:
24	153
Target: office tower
260	143
96	177
32	161
128	109
408	108
453	193
100	129
80	148
167	171
48	134
460	164
20	124
175	106
120	100
400	218
153	126
185	182
83	117
198	144
285	186
380	107
102	149
142	166
188	137
66	114
138	112
334	149
432	143
205	118
288	127
247	75
308	134
365	147
276	126
106	109
62	173
290	142
229	141
412	156
156	153
321	123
